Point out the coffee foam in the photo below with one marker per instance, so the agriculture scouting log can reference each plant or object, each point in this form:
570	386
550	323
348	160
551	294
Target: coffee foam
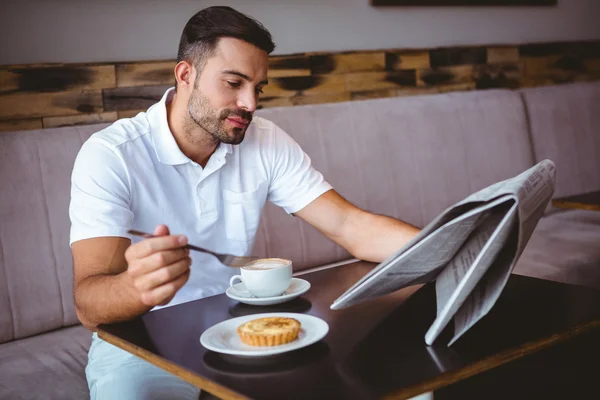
266	264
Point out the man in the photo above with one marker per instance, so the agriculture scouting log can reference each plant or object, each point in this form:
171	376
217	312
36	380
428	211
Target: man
198	162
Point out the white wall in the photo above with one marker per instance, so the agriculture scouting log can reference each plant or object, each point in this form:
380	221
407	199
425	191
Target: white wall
33	31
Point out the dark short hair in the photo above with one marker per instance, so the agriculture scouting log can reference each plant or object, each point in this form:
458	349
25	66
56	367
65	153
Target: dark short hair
203	31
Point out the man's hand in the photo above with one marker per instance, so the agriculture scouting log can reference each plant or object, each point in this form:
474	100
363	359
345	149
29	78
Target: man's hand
158	266
114	280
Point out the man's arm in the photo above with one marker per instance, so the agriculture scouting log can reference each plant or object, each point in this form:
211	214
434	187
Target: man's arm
366	236
115	281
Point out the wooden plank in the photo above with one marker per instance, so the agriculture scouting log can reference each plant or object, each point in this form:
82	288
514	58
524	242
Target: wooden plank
536	66
450	56
270	102
374	94
364	81
416	59
543	49
417	91
490	76
132	98
24	105
556	69
14	125
305	85
592	67
456	87
299	100
531	83
445	76
320	98
84	119
145	74
501	55
55	78
288	66
345	63
128	113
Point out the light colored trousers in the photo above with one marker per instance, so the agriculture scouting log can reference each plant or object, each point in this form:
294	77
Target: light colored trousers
113	373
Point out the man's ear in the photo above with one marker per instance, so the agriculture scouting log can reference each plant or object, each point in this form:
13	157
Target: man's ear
185	74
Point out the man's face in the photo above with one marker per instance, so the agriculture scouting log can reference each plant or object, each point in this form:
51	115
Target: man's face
226	90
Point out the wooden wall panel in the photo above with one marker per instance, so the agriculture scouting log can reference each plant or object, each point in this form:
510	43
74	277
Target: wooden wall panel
144	74
418	59
363	81
305	85
374	94
24	105
128	113
14	125
289	66
320	98
83	119
445	75
494	76
40	96
501	55
344	63
62	78
132	98
447	57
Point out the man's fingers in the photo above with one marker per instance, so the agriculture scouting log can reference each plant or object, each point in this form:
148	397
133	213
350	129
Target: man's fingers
162	275
164	292
166	301
154	245
156	261
161	230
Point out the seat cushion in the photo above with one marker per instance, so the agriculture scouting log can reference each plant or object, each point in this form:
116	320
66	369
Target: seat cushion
47	366
565	127
564	248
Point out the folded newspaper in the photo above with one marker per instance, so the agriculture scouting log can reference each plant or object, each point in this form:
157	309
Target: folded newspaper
469	250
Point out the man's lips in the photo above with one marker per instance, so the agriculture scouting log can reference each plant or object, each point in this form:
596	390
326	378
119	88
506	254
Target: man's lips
238	122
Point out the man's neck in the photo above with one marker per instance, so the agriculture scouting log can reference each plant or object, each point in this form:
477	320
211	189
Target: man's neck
193	141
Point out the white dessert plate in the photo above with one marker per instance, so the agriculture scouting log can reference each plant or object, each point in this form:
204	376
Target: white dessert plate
223	337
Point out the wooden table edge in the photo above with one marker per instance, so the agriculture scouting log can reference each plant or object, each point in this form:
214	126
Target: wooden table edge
575	205
183	373
496	360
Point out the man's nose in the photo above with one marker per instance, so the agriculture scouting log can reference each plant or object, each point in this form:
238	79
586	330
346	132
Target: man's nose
248	101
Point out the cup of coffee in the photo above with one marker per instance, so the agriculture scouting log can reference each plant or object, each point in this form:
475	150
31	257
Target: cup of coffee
265	277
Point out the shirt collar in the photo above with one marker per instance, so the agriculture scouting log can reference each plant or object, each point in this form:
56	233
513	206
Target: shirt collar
165	146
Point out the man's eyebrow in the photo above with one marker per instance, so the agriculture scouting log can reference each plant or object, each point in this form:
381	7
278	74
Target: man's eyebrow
243	76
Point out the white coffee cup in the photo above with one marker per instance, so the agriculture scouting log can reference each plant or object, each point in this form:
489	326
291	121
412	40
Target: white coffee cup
265	277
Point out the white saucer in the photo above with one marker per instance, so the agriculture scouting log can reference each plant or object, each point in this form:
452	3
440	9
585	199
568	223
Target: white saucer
223	337
297	287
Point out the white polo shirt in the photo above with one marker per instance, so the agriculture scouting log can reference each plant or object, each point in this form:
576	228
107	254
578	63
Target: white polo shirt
133	175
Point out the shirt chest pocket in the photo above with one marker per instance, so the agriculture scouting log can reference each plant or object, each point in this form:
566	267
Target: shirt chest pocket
241	212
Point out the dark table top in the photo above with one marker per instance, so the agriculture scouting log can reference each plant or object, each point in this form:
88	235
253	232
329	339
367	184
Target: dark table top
374	349
586	201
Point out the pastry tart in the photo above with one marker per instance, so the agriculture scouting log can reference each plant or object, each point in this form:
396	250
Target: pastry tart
269	331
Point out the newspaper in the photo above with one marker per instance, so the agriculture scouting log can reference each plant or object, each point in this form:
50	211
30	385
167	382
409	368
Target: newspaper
469	250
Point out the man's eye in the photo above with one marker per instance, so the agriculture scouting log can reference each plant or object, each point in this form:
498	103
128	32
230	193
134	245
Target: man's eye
259	90
233	84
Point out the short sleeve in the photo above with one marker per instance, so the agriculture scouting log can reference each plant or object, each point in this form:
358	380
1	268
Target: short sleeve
100	194
295	183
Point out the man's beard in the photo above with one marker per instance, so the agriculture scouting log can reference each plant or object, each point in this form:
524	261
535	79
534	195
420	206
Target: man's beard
213	122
